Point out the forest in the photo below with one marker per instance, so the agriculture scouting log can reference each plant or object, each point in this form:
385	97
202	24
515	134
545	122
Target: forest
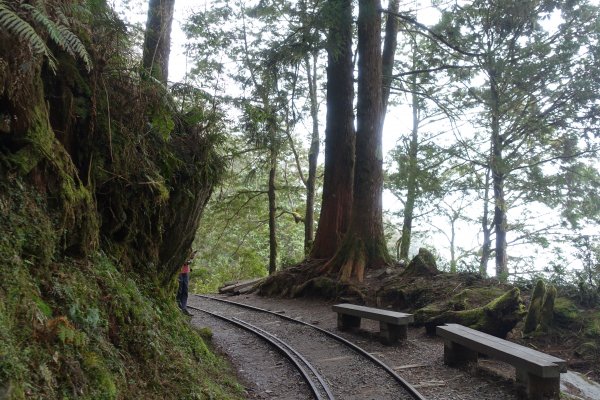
310	143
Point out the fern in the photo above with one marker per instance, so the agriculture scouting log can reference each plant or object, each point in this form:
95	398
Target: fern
75	46
61	35
50	26
10	21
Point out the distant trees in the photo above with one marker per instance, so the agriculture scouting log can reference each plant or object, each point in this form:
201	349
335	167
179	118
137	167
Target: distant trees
517	97
534	96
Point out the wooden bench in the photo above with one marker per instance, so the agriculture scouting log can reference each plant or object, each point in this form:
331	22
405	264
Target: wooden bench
392	325
537	373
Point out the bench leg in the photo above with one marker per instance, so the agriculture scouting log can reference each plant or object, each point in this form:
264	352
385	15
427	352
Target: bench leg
456	355
538	388
390	334
347	322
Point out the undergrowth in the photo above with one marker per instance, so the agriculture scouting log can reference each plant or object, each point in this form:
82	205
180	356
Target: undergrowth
84	329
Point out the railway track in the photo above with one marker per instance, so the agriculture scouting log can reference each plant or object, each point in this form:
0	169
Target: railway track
347	372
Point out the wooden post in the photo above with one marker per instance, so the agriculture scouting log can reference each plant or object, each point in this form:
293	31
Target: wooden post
347	322
457	355
390	334
538	388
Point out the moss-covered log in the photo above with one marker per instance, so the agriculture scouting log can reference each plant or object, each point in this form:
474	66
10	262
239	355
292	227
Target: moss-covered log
498	317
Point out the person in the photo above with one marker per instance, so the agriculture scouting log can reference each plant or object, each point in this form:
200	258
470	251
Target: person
184	282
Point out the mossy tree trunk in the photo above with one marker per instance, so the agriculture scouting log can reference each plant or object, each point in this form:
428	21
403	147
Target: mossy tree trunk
157	38
336	202
364	244
535	307
498	176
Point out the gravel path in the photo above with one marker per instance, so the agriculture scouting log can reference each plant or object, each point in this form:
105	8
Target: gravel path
419	360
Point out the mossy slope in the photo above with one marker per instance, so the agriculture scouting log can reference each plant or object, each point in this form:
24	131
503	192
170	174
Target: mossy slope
102	185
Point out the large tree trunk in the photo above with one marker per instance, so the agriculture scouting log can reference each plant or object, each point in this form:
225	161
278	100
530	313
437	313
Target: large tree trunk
339	135
313	154
157	39
498	175
364	244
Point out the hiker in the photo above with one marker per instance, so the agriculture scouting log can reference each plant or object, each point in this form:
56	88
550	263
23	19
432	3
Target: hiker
184	281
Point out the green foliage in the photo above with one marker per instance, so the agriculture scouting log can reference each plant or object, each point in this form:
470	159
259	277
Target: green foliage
232	240
588	278
58	31
75	322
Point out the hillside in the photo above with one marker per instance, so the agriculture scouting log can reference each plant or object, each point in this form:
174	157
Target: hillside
102	183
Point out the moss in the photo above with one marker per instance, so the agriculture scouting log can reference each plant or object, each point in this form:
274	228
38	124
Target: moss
592	325
474	297
566	313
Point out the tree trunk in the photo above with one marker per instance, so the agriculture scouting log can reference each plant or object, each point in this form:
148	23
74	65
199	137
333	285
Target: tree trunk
453	263
389	51
498	183
157	39
339	135
364	244
487	241
411	194
313	154
272	211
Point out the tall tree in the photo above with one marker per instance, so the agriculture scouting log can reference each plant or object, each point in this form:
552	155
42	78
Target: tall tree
339	132
313	152
364	243
157	38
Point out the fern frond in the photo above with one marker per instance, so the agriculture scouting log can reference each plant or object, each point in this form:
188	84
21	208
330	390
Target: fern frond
76	46
52	28
14	24
61	35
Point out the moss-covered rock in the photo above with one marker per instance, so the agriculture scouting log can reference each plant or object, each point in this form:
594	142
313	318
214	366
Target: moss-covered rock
423	264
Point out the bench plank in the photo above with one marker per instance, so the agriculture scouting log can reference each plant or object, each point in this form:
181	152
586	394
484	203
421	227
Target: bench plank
522	357
390	317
